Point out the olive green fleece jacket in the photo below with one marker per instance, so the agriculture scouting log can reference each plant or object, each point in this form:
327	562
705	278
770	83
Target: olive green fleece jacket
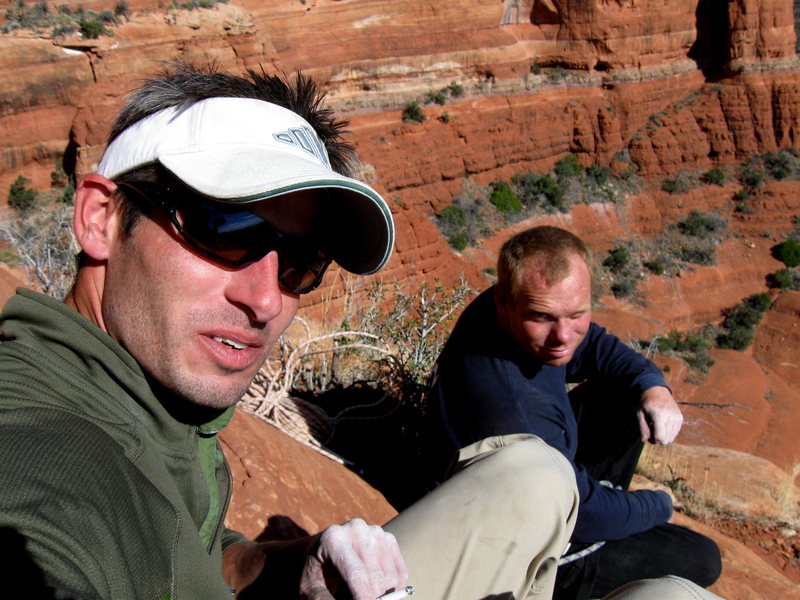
118	494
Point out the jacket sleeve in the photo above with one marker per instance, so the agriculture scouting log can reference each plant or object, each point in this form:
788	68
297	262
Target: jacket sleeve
92	524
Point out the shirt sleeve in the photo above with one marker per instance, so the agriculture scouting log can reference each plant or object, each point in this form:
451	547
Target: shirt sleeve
611	514
603	355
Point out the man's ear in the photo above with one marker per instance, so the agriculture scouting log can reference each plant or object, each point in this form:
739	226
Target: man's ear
501	303
500	297
96	215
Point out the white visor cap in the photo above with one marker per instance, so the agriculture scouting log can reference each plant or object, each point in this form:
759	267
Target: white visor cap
242	150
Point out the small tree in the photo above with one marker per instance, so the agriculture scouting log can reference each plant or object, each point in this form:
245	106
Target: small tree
779	165
541	191
417	324
788	253
784	280
740	321
91	30
504	198
435	98
20	197
453	217
412	113
455	89
569	166
618	258
714	176
702	225
599	174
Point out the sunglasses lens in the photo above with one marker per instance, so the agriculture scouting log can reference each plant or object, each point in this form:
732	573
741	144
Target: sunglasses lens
301	268
236	237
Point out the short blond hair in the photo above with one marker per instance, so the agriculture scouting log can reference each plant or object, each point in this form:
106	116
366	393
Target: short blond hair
550	248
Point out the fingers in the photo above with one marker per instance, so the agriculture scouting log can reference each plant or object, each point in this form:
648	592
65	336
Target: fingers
644	427
661	415
362	557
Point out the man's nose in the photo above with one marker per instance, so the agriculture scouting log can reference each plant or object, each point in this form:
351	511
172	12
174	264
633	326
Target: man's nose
560	331
256	289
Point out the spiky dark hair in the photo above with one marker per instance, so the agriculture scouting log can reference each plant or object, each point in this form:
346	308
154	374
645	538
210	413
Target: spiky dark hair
181	84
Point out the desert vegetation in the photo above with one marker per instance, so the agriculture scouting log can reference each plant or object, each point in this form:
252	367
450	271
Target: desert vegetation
413	111
61	21
39	233
479	211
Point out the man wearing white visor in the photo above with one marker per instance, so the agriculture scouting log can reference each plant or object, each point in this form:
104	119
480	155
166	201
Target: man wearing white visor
218	201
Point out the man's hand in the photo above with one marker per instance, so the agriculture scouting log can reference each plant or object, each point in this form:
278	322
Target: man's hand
660	418
355	561
361	557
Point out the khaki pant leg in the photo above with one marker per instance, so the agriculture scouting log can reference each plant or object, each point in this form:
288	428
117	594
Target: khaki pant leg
663	588
496	528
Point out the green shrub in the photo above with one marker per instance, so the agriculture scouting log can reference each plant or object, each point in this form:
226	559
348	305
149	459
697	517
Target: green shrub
91	30
618	258
458	241
655	266
106	16
453	217
784	280
740	321
455	89
569	166
20	198
759	302
435	98
698	254
8	257
67	194
536	69
751	177
444	117
788	253
624	287
742	195
599	174
715	176
412	113
541	190
504	198
701	225
61	31
779	165
121	8
677	185
556	74
735	338
470	217
691	347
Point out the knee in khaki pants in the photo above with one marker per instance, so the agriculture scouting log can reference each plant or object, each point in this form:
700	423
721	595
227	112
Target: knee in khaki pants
496	527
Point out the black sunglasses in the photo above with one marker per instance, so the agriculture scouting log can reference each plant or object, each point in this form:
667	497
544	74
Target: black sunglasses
231	236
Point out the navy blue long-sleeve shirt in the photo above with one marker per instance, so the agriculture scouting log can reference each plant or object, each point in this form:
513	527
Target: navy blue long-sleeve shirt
486	385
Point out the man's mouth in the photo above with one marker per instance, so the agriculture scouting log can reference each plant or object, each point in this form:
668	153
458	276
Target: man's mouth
230	342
